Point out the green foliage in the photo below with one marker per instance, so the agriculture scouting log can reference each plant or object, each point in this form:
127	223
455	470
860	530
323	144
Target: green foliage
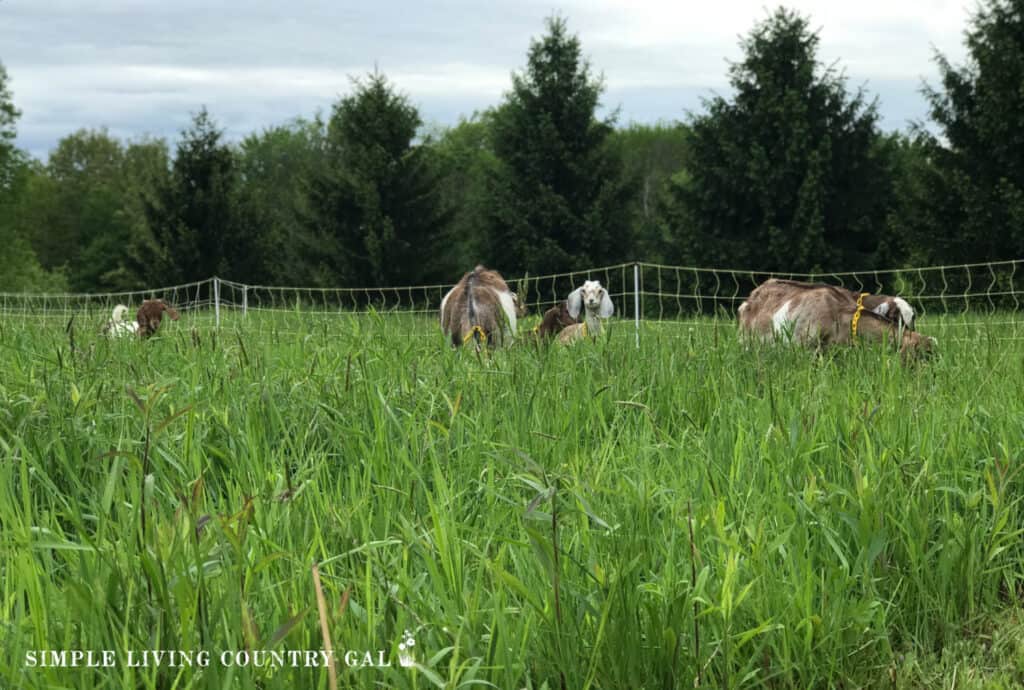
274	169
19	266
76	207
375	214
968	203
465	158
9	115
192	216
786	176
559	198
651	155
588	517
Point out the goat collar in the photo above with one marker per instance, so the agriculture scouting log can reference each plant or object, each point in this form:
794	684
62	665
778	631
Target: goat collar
856	314
476	330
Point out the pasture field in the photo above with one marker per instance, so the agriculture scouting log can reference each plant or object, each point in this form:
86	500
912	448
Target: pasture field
687	514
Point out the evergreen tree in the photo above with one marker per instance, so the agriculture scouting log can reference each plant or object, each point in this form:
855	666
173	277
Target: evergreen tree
559	199
966	202
192	216
374	209
786	176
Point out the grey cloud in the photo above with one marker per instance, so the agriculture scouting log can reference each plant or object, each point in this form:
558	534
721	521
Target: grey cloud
143	68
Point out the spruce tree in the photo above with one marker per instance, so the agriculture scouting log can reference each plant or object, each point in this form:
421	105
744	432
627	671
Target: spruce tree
787	174
559	199
374	208
966	201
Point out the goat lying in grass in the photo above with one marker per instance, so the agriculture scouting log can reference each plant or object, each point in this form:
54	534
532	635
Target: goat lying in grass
118	325
480	308
556	319
150	315
593	299
821	315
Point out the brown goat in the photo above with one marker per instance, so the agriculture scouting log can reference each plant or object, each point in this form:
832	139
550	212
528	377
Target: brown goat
481	308
151	313
820	315
895	308
555	319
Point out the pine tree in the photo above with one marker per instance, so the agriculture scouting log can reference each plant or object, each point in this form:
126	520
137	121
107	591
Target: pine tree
787	175
559	197
192	216
374	209
966	202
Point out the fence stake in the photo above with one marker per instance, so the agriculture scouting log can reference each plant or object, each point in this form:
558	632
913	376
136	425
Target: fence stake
636	301
216	301
245	300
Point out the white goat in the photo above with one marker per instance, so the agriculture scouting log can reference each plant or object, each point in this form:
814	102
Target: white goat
593	299
119	326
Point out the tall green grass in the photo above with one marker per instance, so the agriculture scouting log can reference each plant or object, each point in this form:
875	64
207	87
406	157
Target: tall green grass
542	517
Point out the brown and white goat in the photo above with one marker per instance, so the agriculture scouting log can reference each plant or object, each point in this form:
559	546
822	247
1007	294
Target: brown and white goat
895	308
821	315
594	301
150	315
481	308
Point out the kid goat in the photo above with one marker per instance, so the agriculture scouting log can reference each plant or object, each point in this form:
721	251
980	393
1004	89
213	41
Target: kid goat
480	308
151	314
118	325
594	300
821	315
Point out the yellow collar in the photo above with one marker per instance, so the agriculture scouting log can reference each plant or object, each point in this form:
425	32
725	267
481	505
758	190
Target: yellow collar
475	330
856	314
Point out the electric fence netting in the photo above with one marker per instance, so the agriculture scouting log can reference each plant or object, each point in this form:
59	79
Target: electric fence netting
654	299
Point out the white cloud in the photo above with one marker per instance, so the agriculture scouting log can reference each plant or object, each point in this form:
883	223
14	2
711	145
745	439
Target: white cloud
144	67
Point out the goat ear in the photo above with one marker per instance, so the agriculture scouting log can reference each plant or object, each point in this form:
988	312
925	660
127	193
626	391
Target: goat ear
882	309
575	302
607	308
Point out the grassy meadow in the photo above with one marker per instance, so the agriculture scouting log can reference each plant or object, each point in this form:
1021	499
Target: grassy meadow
687	514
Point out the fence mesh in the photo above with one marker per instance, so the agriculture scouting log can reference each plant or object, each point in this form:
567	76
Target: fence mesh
662	296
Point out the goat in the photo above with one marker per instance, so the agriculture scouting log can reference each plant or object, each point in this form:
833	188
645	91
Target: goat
821	315
118	325
555	320
594	300
150	314
893	307
481	308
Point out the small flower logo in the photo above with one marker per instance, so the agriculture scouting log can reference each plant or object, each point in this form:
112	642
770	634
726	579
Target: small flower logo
405	650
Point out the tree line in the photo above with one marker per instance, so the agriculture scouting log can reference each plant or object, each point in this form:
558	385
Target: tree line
791	172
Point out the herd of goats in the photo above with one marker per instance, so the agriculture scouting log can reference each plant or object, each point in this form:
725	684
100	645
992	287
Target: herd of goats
481	308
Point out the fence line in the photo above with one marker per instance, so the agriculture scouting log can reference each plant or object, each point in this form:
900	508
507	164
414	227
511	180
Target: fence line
641	292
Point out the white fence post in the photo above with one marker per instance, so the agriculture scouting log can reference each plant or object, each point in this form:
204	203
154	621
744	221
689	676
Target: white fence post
216	301
245	300
636	301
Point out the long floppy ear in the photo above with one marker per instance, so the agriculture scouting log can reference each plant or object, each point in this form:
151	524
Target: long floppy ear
607	308
575	302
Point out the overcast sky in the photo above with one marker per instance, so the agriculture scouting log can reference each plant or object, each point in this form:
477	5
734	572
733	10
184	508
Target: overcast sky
142	68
